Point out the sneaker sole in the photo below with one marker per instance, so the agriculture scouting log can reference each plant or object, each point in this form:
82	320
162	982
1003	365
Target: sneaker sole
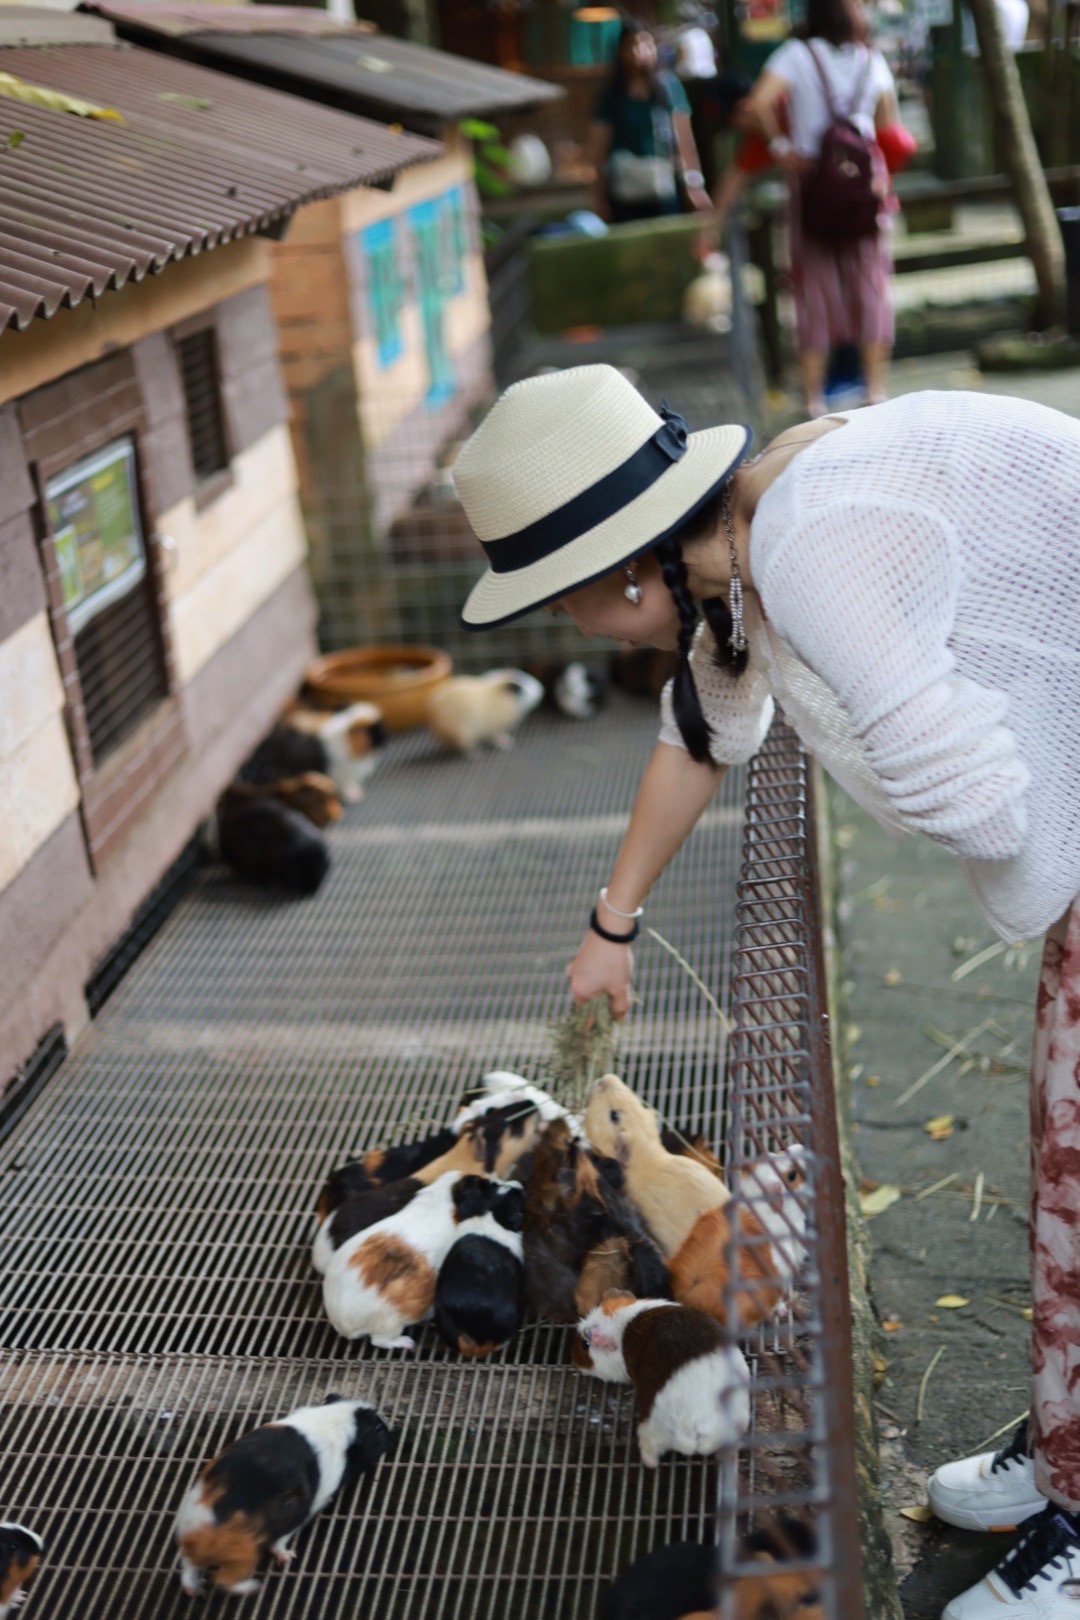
988	1522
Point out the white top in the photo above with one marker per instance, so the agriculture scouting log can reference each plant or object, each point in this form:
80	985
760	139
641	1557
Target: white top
845	67
919	574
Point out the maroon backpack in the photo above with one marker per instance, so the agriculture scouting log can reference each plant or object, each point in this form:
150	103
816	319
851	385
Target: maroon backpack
839	199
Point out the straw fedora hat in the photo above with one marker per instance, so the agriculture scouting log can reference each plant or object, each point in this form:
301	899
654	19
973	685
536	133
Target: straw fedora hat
570	476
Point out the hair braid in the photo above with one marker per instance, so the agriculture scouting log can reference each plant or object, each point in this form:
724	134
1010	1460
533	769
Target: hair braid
686	705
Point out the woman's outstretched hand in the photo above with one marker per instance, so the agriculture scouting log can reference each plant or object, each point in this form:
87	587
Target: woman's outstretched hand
600	968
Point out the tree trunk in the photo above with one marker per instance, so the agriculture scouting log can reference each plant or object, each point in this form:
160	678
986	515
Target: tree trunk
1044	244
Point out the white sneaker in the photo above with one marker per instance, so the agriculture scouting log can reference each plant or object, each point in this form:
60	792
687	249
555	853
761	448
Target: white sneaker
993	1491
1038	1580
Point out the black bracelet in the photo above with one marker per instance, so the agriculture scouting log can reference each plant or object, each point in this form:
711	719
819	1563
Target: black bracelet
614	939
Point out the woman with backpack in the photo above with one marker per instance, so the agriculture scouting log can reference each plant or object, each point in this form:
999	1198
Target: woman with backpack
641	143
819	101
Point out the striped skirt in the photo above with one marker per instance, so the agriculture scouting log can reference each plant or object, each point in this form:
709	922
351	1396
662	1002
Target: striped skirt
842	289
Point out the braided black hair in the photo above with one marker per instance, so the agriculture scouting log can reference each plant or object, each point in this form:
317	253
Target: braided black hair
685	702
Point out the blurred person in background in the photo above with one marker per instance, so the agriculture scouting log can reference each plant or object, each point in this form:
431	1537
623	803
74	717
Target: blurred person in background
641	143
829	70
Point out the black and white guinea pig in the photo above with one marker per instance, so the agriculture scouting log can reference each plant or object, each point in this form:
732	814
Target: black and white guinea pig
479	1297
384	1276
269	1483
577	689
378	1166
269	844
503	1088
691	1385
350	739
468	710
682	1581
20	1555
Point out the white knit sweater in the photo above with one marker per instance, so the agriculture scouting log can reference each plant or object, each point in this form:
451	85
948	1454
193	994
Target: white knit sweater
918	573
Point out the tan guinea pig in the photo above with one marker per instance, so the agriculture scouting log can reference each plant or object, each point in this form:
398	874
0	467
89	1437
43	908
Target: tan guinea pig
468	710
671	1190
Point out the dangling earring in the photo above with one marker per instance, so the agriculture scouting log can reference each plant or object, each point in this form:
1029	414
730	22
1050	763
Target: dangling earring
632	590
737	638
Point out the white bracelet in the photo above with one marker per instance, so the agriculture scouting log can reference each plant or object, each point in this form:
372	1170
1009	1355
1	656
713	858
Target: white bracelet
627	916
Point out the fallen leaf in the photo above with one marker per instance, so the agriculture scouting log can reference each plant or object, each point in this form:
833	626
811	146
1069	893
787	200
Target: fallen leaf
872	1080
39	95
892	1327
894	976
16	138
853	1033
180	99
873	1203
940	1127
1026	1312
921	1514
952	1302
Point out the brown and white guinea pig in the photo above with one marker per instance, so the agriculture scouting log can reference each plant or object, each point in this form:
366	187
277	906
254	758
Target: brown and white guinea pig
350	739
20	1555
265	1486
480	1294
771	1226
671	1190
691	1384
271	845
378	1166
383	1278
493	1142
582	1234
468	710
681	1581
693	1145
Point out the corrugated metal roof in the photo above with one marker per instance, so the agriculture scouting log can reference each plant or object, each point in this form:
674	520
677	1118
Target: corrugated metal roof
373	73
176	18
200	159
36	25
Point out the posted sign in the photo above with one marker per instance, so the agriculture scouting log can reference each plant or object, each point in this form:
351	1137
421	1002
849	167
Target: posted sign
93	511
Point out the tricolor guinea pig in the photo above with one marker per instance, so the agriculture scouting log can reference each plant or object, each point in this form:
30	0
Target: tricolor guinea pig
267	843
691	1385
378	1166
771	1226
682	1581
468	710
383	1277
479	1297
502	1088
350	740
671	1190
311	793
20	1555
270	1482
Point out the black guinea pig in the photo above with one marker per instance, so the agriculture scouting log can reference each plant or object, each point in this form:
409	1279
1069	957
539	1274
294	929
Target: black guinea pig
378	1166
20	1555
480	1294
267	1484
682	1580
267	843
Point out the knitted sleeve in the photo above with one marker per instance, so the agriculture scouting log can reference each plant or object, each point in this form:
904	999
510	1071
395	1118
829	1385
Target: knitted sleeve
738	710
865	594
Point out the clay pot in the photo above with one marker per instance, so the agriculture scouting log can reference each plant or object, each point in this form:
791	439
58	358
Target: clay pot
401	680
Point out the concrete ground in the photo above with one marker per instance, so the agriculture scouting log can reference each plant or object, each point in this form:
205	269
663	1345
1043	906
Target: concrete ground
939	1019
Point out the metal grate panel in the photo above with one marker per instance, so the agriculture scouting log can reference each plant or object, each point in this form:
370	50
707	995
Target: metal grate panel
158	1295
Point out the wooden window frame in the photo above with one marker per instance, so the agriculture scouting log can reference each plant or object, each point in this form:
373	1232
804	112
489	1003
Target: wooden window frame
114	794
206	490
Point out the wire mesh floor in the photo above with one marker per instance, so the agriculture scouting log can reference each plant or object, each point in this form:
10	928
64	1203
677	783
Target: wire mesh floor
158	1297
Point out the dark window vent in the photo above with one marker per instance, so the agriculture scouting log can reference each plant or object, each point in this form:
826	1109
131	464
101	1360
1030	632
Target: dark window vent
201	382
27	1081
120	669
154	911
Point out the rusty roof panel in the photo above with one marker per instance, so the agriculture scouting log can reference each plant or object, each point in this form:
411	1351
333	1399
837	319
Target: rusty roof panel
374	74
200	159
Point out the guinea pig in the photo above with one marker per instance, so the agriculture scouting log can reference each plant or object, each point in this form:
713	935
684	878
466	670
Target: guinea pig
479	1297
269	1483
20	1555
378	1166
267	843
682	1581
771	1223
312	794
671	1190
383	1277
695	1146
691	1386
577	690
357	1213
468	710
502	1088
284	752
582	1234
350	740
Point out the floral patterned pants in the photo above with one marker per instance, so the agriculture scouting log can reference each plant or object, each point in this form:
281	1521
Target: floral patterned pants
1054	1426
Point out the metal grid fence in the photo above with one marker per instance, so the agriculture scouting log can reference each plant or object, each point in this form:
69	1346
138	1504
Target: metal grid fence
158	1298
